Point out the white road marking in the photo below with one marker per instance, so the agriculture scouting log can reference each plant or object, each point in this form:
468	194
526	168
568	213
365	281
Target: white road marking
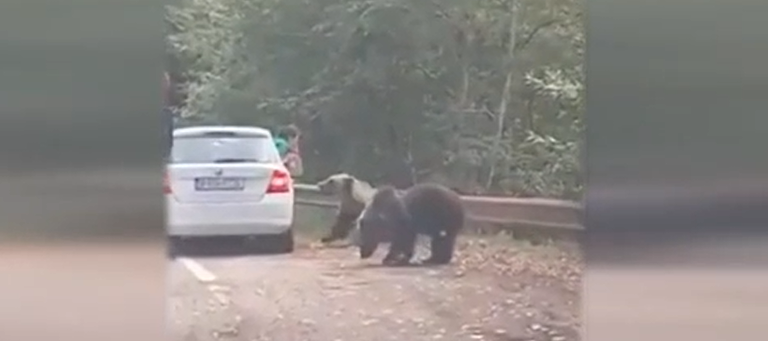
201	273
220	293
222	298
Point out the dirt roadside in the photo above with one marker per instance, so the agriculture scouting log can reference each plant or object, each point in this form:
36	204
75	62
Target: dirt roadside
496	290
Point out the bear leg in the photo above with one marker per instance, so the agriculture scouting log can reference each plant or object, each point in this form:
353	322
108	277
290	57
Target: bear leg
442	247
401	249
333	234
340	229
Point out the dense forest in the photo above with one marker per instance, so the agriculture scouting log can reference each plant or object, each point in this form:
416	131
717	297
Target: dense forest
485	96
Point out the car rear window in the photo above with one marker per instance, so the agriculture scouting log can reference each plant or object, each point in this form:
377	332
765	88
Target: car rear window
224	149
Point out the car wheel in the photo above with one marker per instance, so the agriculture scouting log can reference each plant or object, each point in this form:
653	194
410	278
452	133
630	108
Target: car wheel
284	242
173	247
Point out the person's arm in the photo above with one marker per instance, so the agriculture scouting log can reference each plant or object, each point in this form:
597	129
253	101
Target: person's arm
299	166
294	164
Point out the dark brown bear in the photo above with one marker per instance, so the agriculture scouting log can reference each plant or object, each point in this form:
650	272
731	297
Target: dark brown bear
427	209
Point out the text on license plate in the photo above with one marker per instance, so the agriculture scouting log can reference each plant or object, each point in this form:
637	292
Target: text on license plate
219	184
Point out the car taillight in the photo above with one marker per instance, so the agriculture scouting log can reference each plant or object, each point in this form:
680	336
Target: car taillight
166	184
280	182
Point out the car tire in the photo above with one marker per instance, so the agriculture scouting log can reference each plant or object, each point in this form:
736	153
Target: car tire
173	247
284	242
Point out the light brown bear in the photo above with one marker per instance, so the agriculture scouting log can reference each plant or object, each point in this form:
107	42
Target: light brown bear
353	195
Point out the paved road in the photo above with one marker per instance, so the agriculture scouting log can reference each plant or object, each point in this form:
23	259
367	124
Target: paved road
328	294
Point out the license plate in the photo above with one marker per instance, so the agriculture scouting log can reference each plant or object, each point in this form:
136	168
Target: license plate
219	184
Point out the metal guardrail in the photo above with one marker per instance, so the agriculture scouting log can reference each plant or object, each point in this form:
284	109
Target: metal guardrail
532	212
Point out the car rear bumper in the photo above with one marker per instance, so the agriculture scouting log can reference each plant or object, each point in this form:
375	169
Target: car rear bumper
231	229
264	218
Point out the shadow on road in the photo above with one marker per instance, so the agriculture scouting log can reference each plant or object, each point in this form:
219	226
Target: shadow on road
220	246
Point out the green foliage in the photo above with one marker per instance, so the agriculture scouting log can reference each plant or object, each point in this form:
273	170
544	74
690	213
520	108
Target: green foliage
205	37
482	95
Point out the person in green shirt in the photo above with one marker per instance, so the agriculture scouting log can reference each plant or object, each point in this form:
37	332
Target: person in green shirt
287	143
282	146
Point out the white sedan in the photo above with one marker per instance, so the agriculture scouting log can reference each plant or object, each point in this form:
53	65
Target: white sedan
228	181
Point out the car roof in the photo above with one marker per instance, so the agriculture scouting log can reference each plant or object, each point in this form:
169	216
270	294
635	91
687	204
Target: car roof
239	130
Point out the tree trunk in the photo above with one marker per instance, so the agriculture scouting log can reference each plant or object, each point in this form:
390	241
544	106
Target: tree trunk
504	102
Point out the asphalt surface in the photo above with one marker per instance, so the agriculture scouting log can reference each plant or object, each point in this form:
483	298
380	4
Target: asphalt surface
494	291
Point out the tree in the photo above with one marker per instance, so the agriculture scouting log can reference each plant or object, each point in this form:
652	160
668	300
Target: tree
482	95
